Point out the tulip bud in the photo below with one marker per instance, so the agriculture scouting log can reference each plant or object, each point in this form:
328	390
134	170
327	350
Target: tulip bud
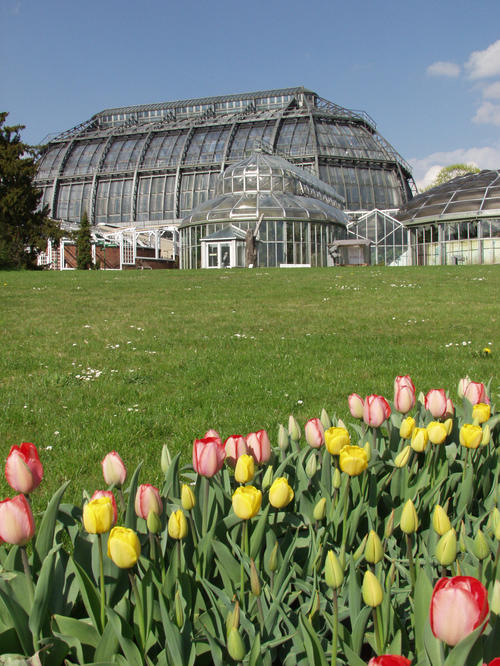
446	549
325	419
401	460
179	613
254	579
480	546
17	525
335	439
235	645
494	520
337	478
113	469
437	432
166	459
334	575
409	518
497	531
419	439
495	598
471	435
461	540
124	547
267	479
406	427
293	429
153	522
481	412
440	520
273	559
98	515
360	549
177	525
315	433
320	509
486	435
311	465
389	526
245	469
373	549
283	440
233	618
368	448
315	607
448	424
356	405
188	499
280	493
371	590
462	385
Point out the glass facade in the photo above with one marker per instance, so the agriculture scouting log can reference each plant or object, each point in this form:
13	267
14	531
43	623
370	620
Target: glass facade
158	162
389	238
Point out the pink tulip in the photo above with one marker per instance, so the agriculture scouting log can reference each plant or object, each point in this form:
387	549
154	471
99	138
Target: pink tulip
458	606
476	392
113	469
147	499
23	469
208	456
315	433
107	493
259	446
404	394
235	446
462	385
450	408
436	402
376	410
356	405
16	521
213	433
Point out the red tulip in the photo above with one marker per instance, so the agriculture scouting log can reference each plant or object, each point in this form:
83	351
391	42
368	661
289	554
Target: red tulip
113	469
495	662
458	606
356	405
107	493
376	410
208	455
436	403
235	446
259	446
476	392
147	499
16	521
389	660
315	433
404	394
23	469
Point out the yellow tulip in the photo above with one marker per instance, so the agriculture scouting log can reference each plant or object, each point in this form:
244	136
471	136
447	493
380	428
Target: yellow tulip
245	469
440	521
449	426
123	547
419	439
280	493
471	435
406	428
373	549
335	439
188	499
446	549
371	590
403	456
481	412
320	509
409	518
486	435
437	432
333	571
246	502
353	460
177	525
98	515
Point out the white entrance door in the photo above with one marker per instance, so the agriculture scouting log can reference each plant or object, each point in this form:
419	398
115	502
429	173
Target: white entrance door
219	255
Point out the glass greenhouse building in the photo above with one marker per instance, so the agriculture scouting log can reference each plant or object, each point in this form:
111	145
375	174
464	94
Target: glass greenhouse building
152	165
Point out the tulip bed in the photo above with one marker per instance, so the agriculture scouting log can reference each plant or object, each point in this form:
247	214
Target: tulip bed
379	548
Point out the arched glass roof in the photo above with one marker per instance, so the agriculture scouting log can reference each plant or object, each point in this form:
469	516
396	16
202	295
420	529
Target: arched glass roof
472	195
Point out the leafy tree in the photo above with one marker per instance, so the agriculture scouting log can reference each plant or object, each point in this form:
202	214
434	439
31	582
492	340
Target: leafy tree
84	244
452	171
24	226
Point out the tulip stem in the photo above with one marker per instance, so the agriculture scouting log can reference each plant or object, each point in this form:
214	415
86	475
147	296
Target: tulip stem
179	555
193	529
466	464
244	542
140	611
335	630
411	564
206	490
101	577
377	626
344	522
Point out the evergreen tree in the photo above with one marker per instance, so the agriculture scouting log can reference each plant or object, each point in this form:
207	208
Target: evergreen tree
24	227
84	244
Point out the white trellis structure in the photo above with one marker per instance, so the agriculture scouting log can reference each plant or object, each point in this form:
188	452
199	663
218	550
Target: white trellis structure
390	240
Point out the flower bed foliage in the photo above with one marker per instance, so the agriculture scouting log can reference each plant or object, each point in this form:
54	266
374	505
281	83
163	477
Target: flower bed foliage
379	544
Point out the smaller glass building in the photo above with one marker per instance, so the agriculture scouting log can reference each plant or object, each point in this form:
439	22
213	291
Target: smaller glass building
457	222
266	212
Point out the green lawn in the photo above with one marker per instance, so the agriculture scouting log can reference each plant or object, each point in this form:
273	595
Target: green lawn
95	361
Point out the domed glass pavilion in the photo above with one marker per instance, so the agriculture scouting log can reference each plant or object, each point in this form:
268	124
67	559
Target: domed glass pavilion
266	212
457	222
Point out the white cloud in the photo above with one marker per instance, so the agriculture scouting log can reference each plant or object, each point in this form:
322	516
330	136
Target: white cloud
492	91
488	113
425	169
483	64
442	68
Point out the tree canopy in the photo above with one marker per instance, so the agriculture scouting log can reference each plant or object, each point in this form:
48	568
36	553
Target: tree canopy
24	226
452	171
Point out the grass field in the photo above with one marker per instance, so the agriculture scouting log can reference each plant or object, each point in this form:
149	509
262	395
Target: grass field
95	361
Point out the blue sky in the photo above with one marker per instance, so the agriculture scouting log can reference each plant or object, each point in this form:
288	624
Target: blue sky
427	72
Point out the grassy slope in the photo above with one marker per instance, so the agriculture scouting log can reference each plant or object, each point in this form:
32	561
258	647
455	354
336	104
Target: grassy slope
308	338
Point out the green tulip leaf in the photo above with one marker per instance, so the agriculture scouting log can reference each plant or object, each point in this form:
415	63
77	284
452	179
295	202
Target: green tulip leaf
466	489
257	536
312	644
228	563
130	516
19	619
39	611
352	657
108	645
255	658
90	595
130	650
45	531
